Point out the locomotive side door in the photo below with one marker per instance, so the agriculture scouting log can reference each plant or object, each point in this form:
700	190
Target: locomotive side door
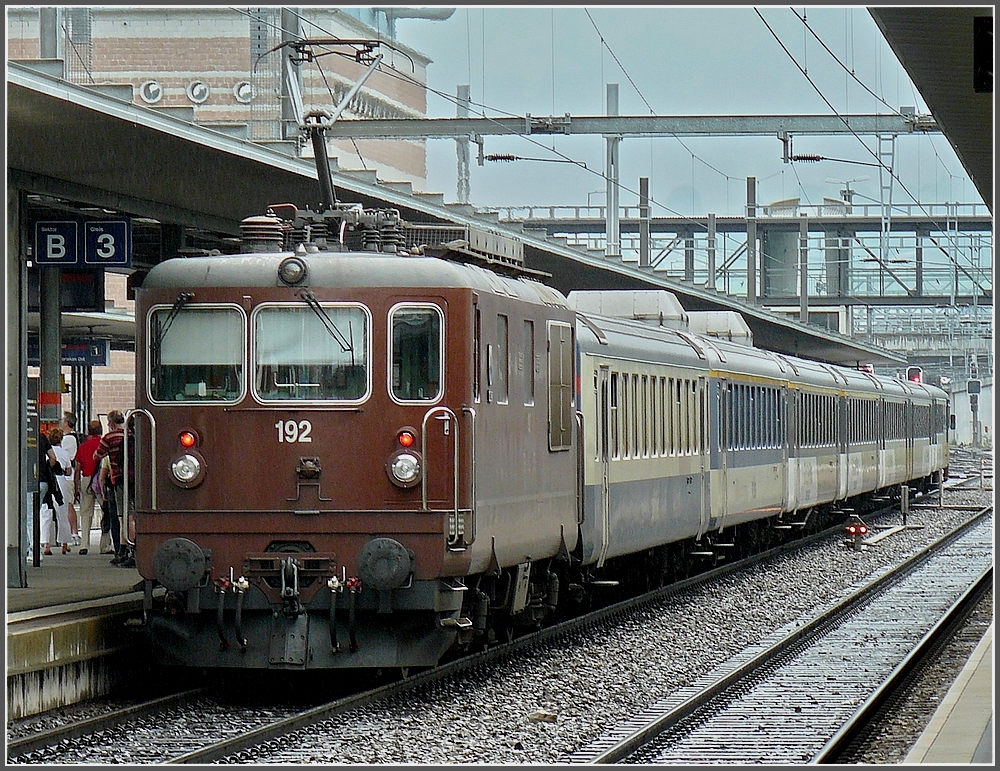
603	501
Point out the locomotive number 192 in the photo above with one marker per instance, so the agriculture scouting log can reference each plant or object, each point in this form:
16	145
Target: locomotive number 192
290	431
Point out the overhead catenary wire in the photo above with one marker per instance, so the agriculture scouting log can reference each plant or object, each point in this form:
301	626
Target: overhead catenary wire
846	123
621	66
393	73
850	72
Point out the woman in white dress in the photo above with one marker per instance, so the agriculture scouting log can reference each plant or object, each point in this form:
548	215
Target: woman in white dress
65	482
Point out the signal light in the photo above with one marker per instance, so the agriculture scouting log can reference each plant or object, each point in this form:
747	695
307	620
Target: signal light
406	438
188	439
915	374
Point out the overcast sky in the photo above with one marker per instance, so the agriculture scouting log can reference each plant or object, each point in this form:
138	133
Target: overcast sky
675	61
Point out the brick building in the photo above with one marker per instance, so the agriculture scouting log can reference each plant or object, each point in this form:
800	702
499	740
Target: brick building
219	68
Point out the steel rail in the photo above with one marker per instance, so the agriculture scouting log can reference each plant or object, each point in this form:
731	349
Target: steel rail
943	630
646	733
93	725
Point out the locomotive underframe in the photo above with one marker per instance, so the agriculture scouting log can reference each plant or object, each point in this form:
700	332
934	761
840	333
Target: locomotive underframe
421	624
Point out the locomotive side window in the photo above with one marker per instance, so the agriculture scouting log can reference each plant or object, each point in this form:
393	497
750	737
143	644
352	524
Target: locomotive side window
561	379
302	355
183	367
415	353
477	356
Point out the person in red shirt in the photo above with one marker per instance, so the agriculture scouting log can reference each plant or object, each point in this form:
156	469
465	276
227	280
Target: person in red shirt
85	469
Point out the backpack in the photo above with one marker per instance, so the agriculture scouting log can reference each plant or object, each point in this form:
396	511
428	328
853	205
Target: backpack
95	483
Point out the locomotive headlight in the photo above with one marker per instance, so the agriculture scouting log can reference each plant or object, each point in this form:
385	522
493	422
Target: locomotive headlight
187	470
403	468
292	270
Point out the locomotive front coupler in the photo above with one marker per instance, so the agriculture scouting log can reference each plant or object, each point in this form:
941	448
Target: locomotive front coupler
290	587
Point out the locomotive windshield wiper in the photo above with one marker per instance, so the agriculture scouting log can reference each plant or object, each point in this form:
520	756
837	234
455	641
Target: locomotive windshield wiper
324	318
161	328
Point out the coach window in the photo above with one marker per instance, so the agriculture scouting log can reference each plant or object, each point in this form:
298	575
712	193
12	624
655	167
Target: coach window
695	419
625	416
415	353
615	446
311	353
196	354
636	443
561	380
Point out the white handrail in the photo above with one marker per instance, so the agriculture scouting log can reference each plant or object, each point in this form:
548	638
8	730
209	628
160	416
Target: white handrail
123	516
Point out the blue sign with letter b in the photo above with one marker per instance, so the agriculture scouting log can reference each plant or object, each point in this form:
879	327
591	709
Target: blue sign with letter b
55	243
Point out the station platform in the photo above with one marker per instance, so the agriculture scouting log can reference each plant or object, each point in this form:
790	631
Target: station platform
68	635
63	579
961	730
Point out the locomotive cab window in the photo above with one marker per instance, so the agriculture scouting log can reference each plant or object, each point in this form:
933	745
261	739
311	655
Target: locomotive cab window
196	354
415	353
311	353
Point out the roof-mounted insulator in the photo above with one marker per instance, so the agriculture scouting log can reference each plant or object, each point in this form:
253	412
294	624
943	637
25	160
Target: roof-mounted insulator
262	234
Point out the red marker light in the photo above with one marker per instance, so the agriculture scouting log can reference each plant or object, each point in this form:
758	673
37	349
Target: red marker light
187	439
406	438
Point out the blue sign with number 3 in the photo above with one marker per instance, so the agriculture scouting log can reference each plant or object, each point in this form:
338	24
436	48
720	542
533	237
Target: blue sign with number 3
107	243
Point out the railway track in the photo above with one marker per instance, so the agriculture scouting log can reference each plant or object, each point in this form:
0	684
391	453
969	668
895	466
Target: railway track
198	728
796	697
845	746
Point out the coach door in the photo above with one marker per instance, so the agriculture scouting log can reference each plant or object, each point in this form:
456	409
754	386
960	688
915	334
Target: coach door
909	439
704	450
725	439
603	498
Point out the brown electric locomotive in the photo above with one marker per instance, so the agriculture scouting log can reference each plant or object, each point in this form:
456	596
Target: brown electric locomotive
349	458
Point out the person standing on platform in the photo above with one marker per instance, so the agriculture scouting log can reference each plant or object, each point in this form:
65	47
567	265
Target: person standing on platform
71	443
107	498
87	478
111	447
63	482
48	490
